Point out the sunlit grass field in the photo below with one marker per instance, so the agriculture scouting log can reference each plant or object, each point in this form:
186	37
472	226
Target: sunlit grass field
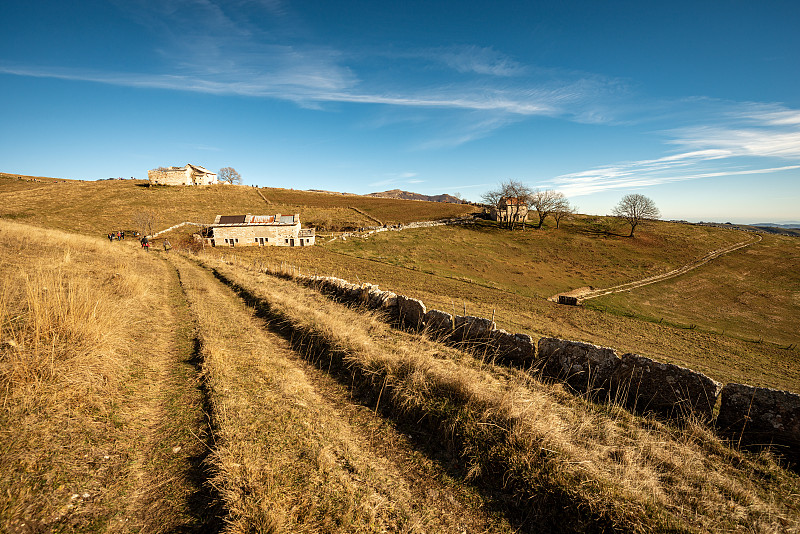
104	419
490	272
733	319
99	207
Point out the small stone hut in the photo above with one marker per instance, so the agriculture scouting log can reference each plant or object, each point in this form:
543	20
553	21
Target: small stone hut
510	209
258	231
186	175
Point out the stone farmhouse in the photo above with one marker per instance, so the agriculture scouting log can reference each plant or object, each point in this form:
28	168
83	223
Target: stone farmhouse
258	231
510	209
187	175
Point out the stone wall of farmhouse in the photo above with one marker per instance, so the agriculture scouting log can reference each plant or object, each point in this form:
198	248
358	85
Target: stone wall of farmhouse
250	235
180	176
748	415
158	177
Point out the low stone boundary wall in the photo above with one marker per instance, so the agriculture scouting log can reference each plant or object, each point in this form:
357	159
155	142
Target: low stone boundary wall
665	388
371	230
174	228
585	367
761	416
748	415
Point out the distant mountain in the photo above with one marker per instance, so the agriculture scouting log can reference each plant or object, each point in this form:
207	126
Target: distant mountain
408	195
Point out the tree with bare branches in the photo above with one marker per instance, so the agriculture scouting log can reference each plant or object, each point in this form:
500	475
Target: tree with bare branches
545	202
229	174
635	209
563	209
510	200
144	221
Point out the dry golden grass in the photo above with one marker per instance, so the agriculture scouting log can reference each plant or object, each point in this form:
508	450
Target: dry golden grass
572	464
84	327
285	459
513	293
61	363
114	205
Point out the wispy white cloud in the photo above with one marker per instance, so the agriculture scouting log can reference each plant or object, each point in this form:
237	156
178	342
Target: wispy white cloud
743	142
738	139
478	60
394	178
214	47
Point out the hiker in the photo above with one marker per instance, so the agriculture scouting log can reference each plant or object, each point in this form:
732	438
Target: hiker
145	243
123	235
110	238
167	246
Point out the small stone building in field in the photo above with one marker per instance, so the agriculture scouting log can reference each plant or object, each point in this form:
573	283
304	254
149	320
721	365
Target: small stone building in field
187	175
510	209
258	231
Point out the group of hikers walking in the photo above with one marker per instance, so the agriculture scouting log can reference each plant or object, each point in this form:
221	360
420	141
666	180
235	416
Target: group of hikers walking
119	235
145	241
146	244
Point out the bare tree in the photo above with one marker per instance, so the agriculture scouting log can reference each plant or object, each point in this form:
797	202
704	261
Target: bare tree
229	174
493	198
144	221
635	209
545	202
510	200
562	209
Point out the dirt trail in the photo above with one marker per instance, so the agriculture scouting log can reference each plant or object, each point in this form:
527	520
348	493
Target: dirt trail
168	491
586	293
294	451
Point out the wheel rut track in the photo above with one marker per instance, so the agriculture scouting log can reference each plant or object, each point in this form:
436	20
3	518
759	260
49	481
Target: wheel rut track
425	478
556	509
206	502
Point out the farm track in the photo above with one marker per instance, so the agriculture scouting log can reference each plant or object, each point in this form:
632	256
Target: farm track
584	294
170	493
293	450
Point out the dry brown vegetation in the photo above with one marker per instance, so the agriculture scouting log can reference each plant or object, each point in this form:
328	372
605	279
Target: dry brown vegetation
89	341
114	204
286	459
157	392
508	276
575	465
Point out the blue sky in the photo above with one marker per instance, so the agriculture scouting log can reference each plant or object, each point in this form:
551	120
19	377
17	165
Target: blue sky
694	104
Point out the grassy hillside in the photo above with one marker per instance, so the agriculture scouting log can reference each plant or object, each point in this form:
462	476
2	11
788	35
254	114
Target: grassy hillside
99	207
567	464
540	263
130	406
100	404
493	272
754	293
710	319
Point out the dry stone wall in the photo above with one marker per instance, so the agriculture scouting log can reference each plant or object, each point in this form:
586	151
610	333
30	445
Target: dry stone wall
759	416
665	388
585	367
750	415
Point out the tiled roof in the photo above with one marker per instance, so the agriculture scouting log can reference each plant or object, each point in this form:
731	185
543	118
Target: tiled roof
232	219
199	168
257	219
